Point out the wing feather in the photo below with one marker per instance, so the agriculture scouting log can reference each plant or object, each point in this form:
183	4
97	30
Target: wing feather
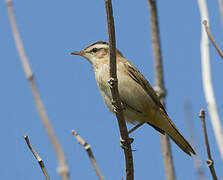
141	80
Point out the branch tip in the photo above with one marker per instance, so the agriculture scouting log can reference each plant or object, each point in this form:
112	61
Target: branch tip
37	157
87	147
202	113
210	162
207	29
74	132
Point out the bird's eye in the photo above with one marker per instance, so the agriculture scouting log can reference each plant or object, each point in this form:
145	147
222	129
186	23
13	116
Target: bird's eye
94	50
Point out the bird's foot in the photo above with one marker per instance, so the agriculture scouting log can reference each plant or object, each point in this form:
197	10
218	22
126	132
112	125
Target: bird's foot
112	82
124	143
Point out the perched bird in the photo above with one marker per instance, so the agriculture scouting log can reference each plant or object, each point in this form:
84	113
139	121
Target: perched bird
140	102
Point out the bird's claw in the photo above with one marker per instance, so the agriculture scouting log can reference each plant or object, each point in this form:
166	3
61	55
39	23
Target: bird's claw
124	143
112	82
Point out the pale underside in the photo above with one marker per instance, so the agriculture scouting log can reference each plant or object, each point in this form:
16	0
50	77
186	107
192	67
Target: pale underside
138	105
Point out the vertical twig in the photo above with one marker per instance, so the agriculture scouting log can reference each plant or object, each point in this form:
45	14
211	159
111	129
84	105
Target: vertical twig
207	29
159	84
197	159
38	158
113	83
63	168
220	2
206	79
87	147
210	162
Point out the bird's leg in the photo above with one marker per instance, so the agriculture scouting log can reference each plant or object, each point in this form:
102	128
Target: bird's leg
123	142
136	127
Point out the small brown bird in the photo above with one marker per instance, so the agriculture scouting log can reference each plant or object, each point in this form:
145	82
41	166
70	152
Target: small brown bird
138	98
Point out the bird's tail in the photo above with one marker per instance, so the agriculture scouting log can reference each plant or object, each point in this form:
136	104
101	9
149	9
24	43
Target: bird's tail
170	129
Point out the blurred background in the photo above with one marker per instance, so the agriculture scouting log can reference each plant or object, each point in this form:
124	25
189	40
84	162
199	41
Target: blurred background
50	30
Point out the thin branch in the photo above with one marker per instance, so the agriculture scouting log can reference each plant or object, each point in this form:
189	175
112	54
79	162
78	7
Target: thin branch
197	160
87	147
210	162
38	158
206	78
220	4
159	83
63	168
113	83
207	29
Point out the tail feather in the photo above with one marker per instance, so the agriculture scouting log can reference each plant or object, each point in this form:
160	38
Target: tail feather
170	129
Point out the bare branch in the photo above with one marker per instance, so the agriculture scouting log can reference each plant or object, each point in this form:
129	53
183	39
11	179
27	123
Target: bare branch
220	3
113	83
38	158
206	78
207	29
210	162
197	160
87	147
159	81
63	168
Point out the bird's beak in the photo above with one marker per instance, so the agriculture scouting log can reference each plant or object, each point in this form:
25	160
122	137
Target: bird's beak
77	53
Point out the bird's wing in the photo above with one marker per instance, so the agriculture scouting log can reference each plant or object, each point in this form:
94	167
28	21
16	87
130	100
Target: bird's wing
141	80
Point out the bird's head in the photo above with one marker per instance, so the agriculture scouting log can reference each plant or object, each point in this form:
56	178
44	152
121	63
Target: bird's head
96	52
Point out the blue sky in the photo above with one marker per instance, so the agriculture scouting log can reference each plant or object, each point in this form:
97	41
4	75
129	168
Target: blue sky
50	30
